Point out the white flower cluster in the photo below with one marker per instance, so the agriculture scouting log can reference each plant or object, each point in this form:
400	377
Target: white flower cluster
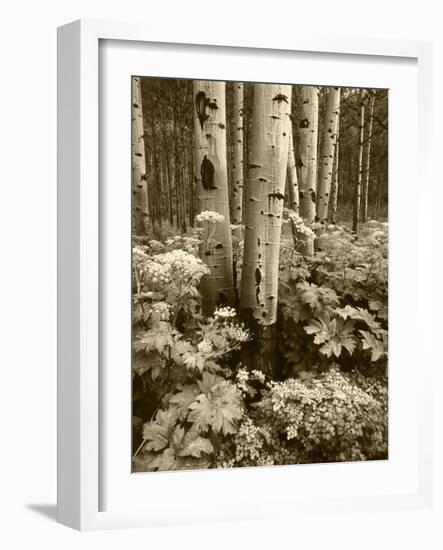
156	247
209	216
182	266
162	310
299	224
139	258
204	346
258	375
156	273
223	313
238	333
188	244
241	379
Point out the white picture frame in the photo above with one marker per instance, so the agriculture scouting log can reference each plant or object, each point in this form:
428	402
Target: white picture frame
80	411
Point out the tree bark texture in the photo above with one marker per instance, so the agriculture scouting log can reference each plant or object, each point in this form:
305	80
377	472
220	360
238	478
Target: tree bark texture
139	180
357	197
307	160
237	160
334	183
291	176
212	191
264	199
328	142
367	167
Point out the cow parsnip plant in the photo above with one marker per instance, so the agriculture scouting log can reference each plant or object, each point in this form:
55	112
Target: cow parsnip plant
195	406
338	298
180	360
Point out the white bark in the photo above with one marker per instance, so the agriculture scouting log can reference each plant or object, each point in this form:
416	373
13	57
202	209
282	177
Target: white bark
357	197
212	191
367	167
329	140
139	183
291	177
237	160
264	201
307	161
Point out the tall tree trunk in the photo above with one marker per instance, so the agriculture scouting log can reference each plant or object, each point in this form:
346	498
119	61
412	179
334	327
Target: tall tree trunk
307	161
212	190
139	180
367	168
357	196
156	196
263	217
329	140
237	160
335	179
291	176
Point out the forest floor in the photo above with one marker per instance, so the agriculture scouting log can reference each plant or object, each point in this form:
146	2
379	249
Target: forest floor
195	405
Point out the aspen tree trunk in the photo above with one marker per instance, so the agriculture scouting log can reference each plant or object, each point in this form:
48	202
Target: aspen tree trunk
334	184
357	197
263	218
211	175
329	140
364	209
237	160
292	184
307	160
291	176
139	183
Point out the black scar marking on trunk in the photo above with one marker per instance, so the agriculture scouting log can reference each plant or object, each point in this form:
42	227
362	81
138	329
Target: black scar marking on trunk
277	195
304	123
280	98
258	241
201	102
219	245
207	171
257	275
312	195
222	126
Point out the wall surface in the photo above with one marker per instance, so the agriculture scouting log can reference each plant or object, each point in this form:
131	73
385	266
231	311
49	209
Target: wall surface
28	274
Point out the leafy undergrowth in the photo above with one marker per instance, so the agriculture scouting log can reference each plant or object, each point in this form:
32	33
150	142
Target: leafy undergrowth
196	406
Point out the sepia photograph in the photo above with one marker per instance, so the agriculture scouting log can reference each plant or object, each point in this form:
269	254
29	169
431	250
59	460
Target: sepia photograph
259	274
